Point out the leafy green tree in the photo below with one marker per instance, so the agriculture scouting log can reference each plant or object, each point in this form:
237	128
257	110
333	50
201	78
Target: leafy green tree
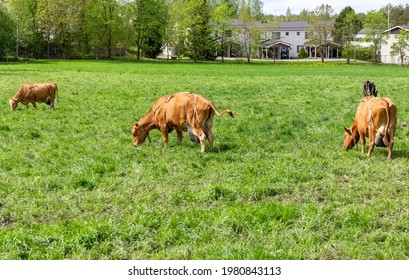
346	26
30	41
175	27
221	16
149	23
104	25
376	24
401	46
321	29
7	31
303	53
47	20
200	44
398	15
249	33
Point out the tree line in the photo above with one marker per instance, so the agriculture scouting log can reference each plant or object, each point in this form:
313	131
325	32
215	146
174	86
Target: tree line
194	28
102	28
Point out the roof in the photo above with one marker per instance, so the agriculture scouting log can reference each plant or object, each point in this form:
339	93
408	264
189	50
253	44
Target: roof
406	27
294	25
284	26
271	43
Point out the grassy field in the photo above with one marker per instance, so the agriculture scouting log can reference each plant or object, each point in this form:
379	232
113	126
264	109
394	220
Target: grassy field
278	184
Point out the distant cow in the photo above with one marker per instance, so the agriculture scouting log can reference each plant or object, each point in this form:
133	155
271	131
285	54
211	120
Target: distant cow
375	118
180	111
32	93
369	88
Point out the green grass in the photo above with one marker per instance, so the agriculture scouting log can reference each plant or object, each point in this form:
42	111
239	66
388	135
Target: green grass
277	185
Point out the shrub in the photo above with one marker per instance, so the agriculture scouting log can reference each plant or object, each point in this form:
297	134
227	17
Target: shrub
302	54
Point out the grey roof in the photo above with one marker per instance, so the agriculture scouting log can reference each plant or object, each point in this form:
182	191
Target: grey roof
406	27
284	26
294	25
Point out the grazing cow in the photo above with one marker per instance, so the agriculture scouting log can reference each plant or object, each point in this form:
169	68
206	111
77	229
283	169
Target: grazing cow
375	118
179	111
32	93
368	89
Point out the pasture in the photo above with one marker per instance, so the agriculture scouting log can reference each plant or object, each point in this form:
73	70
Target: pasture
277	185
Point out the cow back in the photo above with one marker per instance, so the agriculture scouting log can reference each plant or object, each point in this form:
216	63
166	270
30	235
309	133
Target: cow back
182	110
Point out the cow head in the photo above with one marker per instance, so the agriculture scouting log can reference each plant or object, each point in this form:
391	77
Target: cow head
351	137
13	103
139	134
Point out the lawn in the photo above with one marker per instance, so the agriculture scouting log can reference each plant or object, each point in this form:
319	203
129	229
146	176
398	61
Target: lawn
277	185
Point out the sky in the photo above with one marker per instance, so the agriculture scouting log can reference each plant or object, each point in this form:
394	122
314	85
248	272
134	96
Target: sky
279	7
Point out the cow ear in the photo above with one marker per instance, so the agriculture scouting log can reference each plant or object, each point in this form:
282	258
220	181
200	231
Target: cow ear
347	130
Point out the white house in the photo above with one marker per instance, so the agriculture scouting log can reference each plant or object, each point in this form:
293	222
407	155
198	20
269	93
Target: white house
386	56
285	40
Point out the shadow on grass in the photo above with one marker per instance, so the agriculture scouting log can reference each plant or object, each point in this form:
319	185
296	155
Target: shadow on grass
400	154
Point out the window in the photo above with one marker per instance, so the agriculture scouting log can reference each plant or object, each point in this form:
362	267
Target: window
298	33
287	33
275	35
299	47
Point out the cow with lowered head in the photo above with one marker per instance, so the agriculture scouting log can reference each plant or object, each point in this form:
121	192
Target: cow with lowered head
32	93
375	119
182	111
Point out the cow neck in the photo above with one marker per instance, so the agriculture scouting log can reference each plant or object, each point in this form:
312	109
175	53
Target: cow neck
147	124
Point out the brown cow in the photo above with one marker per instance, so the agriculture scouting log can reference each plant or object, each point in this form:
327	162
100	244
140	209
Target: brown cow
32	93
179	111
375	118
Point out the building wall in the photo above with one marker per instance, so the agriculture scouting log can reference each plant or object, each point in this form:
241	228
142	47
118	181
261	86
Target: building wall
385	51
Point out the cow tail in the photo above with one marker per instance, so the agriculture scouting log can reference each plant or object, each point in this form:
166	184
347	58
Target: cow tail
386	138
230	112
56	93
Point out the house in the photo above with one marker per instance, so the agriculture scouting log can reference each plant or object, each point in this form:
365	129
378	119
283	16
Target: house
282	40
386	56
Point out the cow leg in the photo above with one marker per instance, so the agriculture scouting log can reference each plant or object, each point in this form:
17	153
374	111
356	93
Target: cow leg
390	147
52	105
202	138
165	136
362	140
34	104
391	142
371	142
179	133
210	137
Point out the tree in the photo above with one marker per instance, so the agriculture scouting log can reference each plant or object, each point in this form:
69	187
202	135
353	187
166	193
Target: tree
7	31
221	16
346	26
104	26
376	24
149	23
46	20
30	39
398	15
321	29
249	33
200	44
401	46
